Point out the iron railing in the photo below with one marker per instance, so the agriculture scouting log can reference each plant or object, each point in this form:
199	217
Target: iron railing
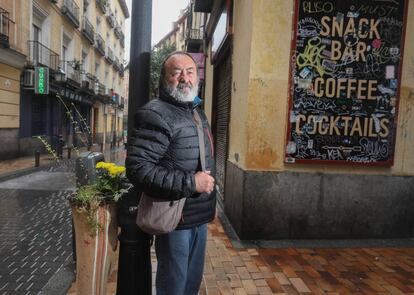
118	31
122	41
88	30
110	55
100	88
102	5
110	17
100	44
88	82
71	10
116	64
73	71
4	28
39	54
195	34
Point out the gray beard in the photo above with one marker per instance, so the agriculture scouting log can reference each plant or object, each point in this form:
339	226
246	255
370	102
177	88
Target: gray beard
178	94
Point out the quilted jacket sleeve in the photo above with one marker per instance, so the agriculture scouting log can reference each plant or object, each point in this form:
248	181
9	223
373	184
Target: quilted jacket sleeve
144	166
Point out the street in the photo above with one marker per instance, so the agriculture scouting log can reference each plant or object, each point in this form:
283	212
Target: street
35	230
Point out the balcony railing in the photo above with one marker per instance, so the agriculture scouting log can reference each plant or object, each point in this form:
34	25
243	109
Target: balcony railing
110	55
195	34
122	41
121	102
4	28
73	72
117	64
71	10
100	89
39	54
100	44
102	5
88	30
110	17
118	31
88	82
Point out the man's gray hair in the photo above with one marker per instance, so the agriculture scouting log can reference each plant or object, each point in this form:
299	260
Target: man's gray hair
161	82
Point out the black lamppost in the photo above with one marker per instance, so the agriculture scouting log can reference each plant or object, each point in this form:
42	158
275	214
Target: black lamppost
134	267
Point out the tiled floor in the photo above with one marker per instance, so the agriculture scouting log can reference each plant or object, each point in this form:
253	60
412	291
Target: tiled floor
297	271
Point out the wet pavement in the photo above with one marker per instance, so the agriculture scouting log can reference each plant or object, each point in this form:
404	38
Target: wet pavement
36	225
36	250
35	237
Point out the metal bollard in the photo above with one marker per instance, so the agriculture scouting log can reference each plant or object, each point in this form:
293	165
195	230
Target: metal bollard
134	264
37	159
69	151
60	145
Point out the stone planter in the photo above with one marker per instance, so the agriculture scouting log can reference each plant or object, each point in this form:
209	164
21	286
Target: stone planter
95	254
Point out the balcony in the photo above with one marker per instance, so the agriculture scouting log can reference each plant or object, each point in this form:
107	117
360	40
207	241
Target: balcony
118	31
122	41
88	83
4	28
102	5
73	72
110	17
194	39
88	30
117	64
110	55
100	89
121	103
39	54
195	34
100	44
71	10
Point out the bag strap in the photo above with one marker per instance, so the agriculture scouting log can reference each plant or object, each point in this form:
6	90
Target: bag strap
200	133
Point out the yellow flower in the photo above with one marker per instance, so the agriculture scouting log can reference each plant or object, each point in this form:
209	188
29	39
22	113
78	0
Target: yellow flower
99	165
116	170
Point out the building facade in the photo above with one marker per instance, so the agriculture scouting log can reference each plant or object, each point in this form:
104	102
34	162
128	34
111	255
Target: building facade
71	81
311	107
13	33
177	35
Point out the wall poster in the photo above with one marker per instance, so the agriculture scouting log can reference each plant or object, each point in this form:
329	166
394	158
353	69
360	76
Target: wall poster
345	75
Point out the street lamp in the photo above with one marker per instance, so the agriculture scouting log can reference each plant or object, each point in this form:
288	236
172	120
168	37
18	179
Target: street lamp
60	75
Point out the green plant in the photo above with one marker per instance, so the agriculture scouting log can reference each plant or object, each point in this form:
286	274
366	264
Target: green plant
107	188
75	64
157	57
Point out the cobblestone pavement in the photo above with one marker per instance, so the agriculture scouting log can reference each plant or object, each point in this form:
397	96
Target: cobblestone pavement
35	238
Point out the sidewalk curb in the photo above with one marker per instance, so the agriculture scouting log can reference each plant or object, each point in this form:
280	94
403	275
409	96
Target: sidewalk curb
21	172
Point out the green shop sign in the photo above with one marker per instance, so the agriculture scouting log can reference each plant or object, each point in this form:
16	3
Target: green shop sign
41	80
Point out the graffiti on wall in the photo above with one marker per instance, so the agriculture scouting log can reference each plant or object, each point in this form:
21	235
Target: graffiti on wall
344	81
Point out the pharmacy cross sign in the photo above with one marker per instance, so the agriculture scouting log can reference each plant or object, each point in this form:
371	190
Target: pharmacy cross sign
345	74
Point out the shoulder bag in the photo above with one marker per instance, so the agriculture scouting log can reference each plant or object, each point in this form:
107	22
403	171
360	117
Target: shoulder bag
156	216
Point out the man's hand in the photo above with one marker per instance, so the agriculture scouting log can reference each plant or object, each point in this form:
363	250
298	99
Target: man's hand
204	182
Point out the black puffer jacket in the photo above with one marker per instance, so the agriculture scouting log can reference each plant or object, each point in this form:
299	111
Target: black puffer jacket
163	157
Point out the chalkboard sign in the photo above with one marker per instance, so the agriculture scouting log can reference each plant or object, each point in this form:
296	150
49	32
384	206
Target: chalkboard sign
345	75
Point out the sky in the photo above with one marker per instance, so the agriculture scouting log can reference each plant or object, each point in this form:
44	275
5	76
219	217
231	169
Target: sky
164	13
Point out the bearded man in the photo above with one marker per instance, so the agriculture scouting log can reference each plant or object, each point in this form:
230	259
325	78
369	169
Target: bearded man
164	162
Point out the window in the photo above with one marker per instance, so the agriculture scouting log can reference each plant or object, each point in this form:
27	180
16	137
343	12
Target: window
85	61
97	70
98	25
64	58
37	33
